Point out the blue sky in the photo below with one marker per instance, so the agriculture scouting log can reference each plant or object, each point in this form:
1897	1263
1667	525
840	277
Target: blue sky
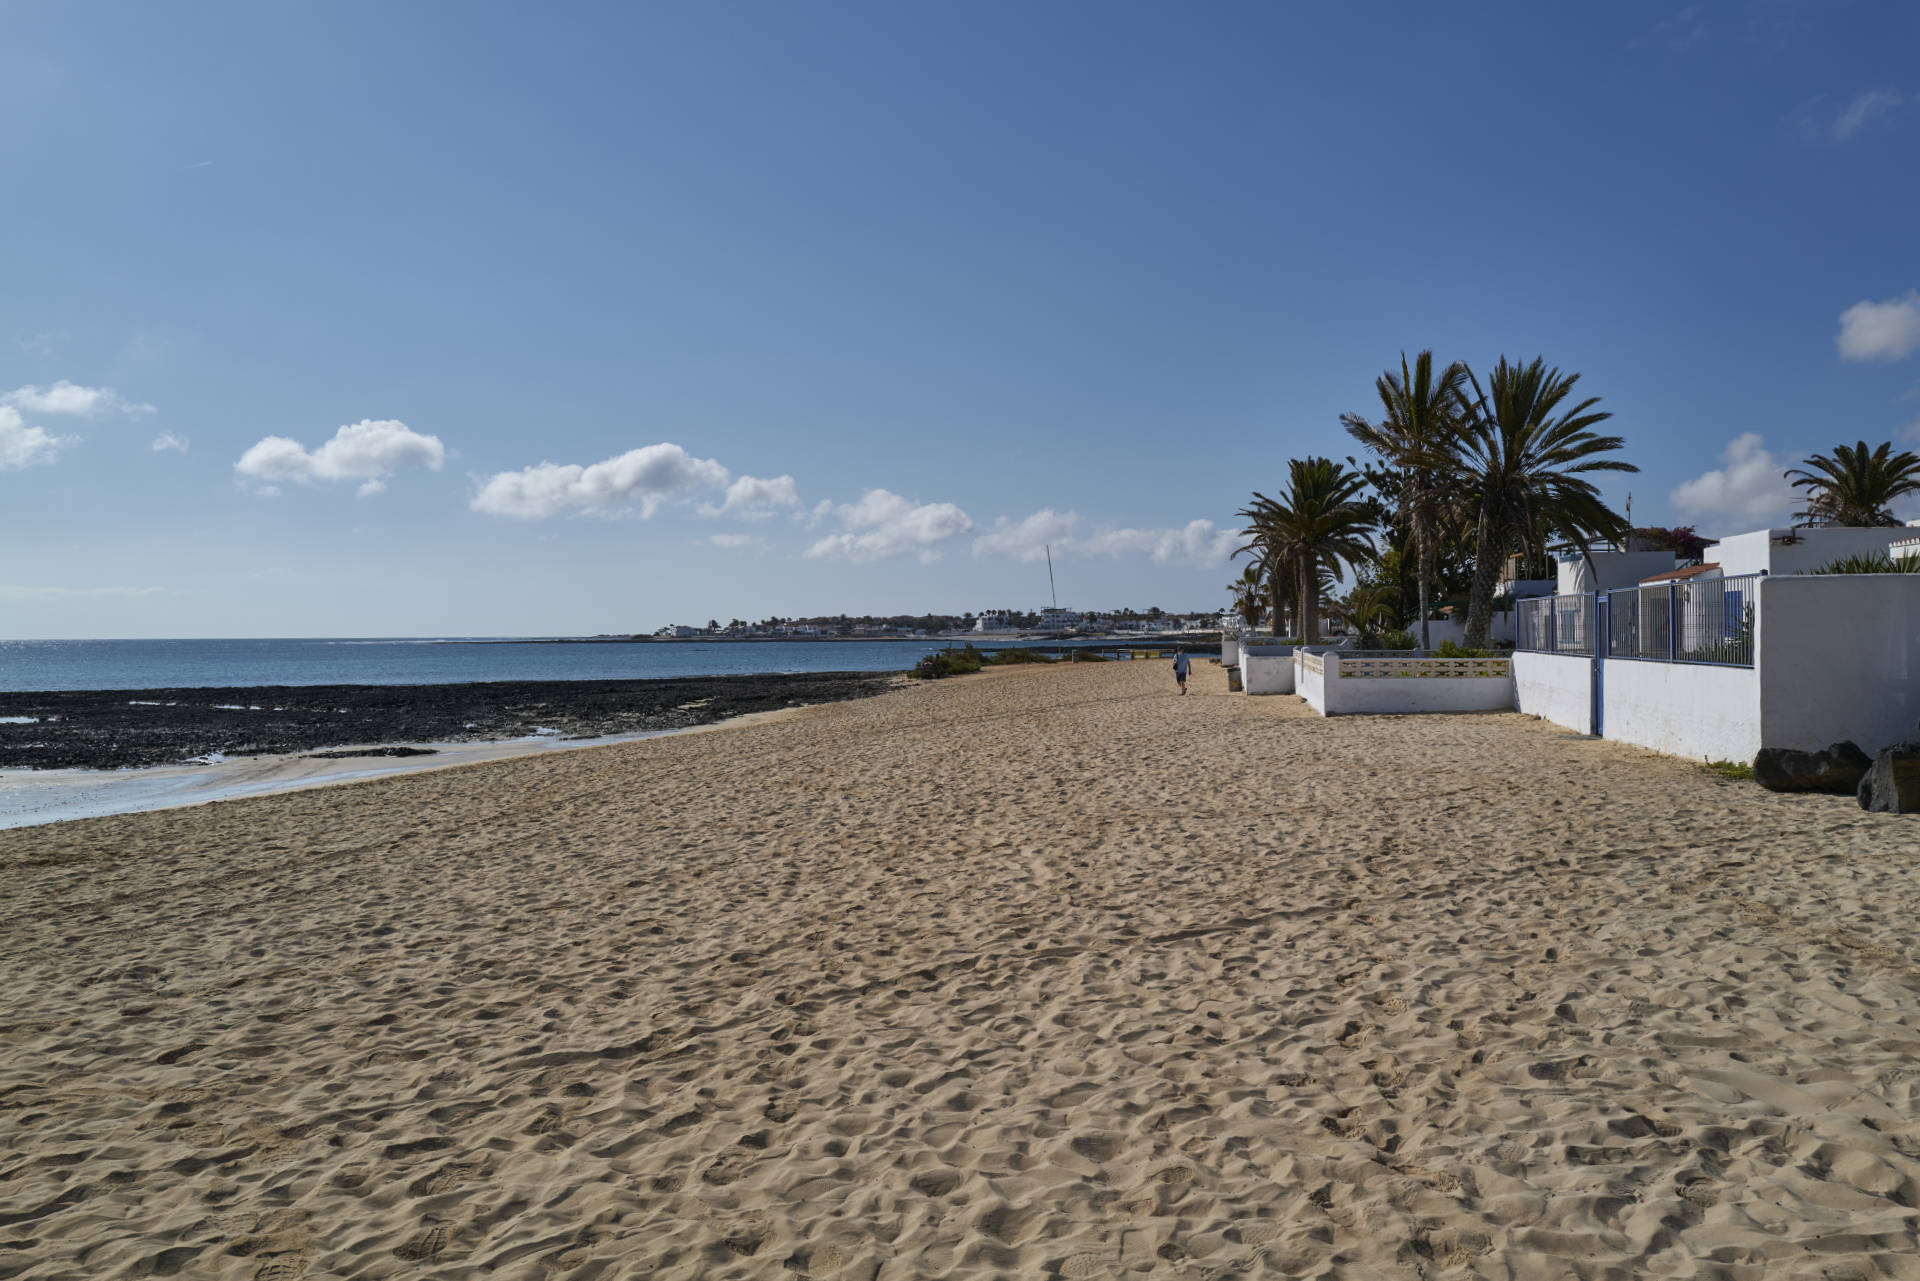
361	319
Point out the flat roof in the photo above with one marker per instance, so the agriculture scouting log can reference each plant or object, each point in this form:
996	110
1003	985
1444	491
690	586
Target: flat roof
1674	575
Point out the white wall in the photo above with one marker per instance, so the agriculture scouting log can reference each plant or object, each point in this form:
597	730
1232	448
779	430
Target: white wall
1683	709
1555	687
1229	651
1616	569
1442	630
1817	548
1840	659
1308	683
1388	695
1266	669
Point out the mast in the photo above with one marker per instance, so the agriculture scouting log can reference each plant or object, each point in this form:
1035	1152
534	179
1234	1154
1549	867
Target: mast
1050	591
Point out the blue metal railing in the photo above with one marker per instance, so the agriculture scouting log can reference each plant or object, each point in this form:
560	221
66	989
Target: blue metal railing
1554	624
1699	620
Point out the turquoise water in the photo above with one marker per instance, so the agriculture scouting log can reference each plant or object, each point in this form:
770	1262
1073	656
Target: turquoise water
164	664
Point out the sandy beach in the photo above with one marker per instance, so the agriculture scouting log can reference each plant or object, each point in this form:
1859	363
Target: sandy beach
1038	973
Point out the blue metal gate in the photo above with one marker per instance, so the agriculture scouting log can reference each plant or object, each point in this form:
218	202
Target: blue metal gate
1601	637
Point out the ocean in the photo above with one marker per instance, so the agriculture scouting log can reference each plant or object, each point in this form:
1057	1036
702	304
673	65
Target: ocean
165	664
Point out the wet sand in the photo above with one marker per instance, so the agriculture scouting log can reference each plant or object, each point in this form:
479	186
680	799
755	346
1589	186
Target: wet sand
1042	972
137	728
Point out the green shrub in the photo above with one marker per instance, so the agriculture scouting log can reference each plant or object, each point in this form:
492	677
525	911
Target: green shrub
1872	563
1402	639
1450	650
965	662
1731	769
948	662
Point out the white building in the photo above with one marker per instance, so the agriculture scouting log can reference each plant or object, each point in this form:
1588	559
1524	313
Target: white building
1800	551
1750	648
990	621
1605	571
1056	618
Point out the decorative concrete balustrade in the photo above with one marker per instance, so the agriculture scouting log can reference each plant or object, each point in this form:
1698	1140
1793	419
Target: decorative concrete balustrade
1422	668
1338	684
1267	667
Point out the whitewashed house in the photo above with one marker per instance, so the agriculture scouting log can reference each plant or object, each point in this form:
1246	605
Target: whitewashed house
1750	648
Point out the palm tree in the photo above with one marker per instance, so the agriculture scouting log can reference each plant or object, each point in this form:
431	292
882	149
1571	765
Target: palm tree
1416	436
1526	459
1854	487
1271	564
1321	525
1364	608
1246	596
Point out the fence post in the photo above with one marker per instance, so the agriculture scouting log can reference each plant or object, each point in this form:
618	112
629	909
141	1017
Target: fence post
1673	622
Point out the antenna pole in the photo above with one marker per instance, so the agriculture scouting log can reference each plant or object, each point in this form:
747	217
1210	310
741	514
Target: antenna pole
1050	590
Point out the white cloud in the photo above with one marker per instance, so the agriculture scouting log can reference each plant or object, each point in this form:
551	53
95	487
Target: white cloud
1874	102
167	440
647	476
25	446
1887	330
1749	491
1028	539
736	540
883	525
753	498
1677	33
369	450
64	397
1199	543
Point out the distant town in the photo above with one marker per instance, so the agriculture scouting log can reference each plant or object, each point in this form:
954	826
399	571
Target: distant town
1004	624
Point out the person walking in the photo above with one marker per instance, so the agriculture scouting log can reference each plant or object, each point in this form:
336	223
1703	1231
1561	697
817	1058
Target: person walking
1180	668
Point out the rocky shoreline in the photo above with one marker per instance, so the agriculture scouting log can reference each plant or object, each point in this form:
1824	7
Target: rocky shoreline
120	728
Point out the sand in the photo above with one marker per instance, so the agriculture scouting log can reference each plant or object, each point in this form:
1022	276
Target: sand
1039	973
29	797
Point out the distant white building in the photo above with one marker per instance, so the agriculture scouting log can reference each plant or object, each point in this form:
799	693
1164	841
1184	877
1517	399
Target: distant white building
1056	618
991	621
1801	551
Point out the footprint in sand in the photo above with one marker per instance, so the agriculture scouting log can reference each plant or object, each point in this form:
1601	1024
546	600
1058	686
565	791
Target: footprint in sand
1097	1147
425	1246
746	1238
281	1267
1011	1226
935	1183
821	1261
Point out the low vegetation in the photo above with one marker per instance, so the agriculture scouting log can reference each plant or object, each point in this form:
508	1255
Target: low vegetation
1872	563
1739	770
968	660
1448	649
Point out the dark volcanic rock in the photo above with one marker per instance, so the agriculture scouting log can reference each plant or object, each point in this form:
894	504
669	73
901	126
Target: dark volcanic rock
348	752
1892	786
1838	769
110	729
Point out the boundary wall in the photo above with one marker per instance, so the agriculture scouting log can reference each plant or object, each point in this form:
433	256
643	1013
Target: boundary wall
1836	657
1335	685
1840	658
1554	687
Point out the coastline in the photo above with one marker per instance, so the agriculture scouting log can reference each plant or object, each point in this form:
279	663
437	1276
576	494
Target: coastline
984	977
136	728
30	798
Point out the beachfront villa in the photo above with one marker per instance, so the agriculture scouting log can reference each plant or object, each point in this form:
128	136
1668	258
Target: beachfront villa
1750	647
